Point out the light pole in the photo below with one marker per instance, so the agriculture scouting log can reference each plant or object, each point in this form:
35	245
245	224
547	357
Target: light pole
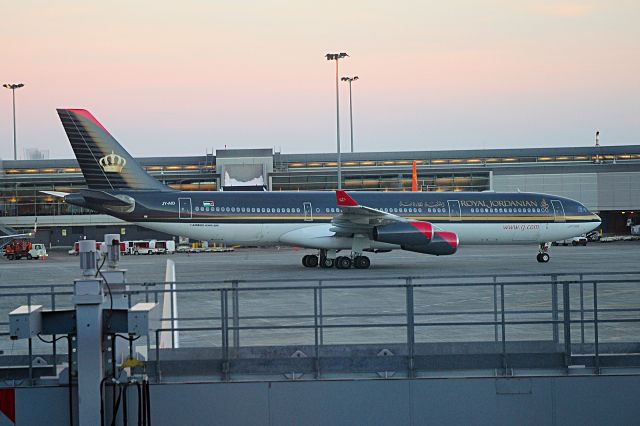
13	88
336	57
350	80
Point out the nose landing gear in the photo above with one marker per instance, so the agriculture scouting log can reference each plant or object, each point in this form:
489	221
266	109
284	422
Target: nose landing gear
543	254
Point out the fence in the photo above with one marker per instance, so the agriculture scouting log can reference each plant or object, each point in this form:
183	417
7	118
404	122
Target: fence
576	314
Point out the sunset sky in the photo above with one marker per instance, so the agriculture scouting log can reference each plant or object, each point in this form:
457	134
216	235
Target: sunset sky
183	77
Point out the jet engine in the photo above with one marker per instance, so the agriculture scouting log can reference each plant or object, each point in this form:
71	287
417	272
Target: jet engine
418	237
404	233
442	244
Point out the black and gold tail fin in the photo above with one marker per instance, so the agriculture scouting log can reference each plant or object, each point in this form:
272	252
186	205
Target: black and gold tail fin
104	162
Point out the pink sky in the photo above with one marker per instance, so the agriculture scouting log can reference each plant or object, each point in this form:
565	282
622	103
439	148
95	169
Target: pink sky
179	78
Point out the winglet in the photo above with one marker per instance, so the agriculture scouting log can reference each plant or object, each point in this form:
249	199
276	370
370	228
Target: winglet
344	200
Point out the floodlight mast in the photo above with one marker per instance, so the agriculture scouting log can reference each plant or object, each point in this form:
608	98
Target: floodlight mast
350	80
336	57
13	87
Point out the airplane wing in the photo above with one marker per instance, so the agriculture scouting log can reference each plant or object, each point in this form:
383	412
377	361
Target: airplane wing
356	218
26	234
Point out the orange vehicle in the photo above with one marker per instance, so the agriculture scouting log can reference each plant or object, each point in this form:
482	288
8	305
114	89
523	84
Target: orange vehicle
17	249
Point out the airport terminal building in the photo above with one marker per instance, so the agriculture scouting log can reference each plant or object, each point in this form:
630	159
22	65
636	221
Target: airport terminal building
606	179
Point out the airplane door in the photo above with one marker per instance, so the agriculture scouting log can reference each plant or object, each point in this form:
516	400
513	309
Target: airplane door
558	211
454	210
308	212
184	208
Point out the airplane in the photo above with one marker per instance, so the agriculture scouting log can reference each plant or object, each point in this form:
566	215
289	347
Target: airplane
25	234
433	223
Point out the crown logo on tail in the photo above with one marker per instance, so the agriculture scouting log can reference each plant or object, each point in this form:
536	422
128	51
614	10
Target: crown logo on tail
112	163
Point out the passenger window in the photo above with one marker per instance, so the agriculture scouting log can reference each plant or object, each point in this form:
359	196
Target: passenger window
289	210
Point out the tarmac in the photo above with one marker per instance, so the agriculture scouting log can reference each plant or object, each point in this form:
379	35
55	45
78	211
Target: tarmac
282	267
285	263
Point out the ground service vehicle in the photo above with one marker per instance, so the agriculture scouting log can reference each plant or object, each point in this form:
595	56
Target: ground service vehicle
575	241
140	247
17	249
163	246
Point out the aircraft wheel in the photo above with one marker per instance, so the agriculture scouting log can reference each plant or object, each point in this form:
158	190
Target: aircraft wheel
309	261
327	263
543	257
343	262
313	261
361	262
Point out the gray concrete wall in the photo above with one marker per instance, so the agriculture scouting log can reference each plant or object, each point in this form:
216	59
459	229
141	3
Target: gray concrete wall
582	187
564	400
619	191
597	191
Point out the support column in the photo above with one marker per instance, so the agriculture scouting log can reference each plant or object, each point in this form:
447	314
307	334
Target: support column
88	298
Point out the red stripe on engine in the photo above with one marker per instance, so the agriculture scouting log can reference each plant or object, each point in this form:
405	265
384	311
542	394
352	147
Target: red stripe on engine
424	227
450	237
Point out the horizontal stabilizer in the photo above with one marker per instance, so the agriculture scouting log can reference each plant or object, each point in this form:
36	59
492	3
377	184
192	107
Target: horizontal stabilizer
56	193
104	198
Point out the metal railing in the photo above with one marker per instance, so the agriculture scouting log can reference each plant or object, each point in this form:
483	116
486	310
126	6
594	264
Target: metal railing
576	313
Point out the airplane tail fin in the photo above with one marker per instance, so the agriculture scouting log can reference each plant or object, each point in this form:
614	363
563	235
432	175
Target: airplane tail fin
105	164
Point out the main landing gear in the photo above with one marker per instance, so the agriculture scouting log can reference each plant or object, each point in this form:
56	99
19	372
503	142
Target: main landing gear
341	262
543	254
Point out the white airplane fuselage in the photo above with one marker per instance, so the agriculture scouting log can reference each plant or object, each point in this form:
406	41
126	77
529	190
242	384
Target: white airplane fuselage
319	235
